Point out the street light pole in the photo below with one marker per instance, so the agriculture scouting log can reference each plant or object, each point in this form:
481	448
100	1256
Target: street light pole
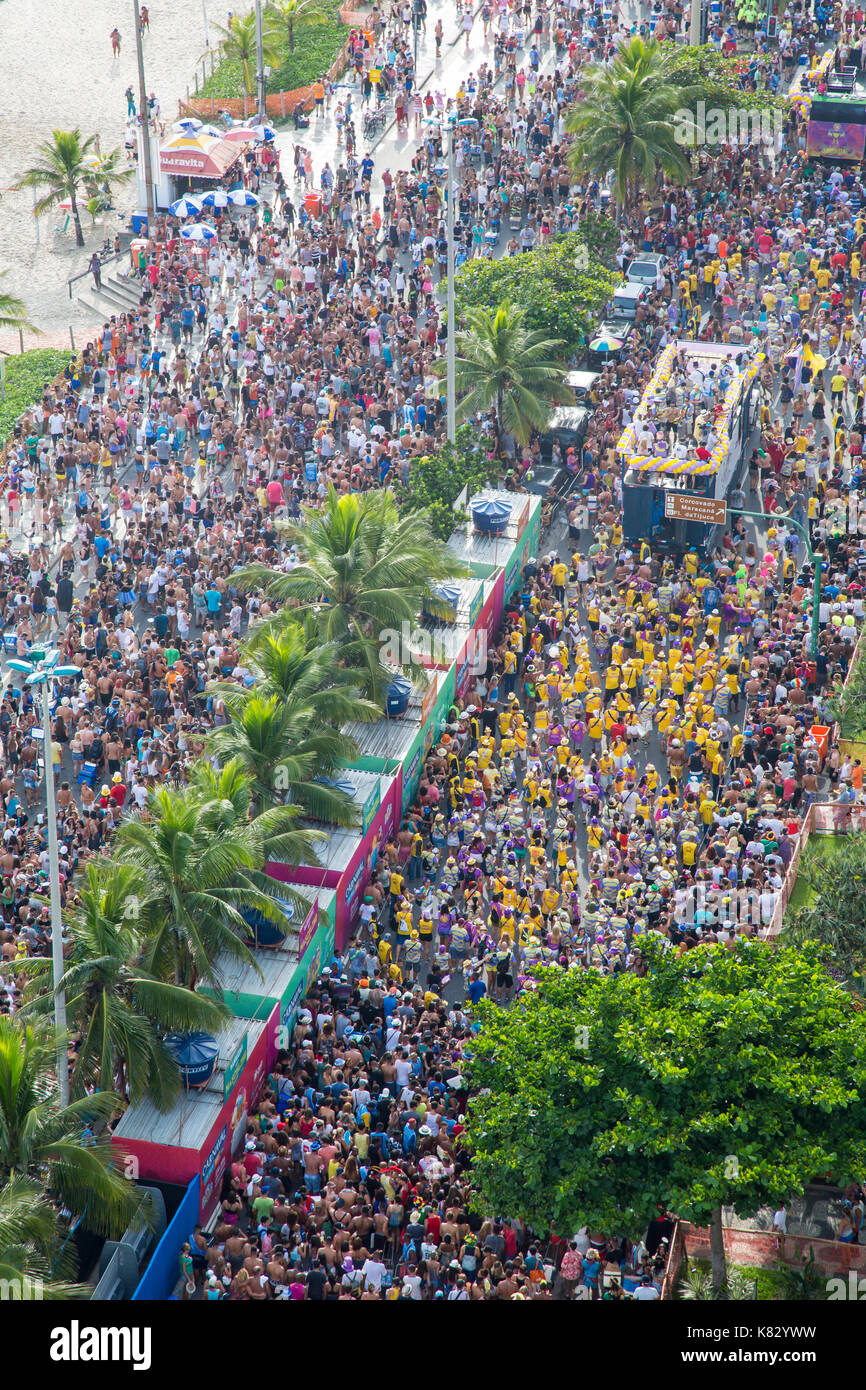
150	195
41	670
54	895
695	22
260	63
451	346
815	562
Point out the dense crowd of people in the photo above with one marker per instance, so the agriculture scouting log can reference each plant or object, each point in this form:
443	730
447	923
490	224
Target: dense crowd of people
638	755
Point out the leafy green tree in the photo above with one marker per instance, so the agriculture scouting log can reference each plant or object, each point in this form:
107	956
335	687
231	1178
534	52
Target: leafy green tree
66	171
202	858
120	1008
365	569
501	363
30	1248
292	15
834	916
558	297
437	480
237	43
42	1142
625	123
702	72
722	1078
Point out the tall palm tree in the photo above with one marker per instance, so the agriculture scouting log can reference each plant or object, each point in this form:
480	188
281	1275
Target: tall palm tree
625	125
502	363
202	862
30	1250
237	43
284	752
366	569
291	661
119	1007
42	1141
292	15
285	728
13	311
66	170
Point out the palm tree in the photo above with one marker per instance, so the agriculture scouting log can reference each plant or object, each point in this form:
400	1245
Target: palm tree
13	311
202	862
286	727
237	44
66	168
30	1251
628	122
292	15
366	570
41	1141
119	1007
501	362
284	752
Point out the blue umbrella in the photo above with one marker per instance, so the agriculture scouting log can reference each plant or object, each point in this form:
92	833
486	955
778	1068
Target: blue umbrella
263	132
242	198
185	207
215	198
190	125
199	231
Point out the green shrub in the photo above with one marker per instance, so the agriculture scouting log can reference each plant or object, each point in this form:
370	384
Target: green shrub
316	47
26	376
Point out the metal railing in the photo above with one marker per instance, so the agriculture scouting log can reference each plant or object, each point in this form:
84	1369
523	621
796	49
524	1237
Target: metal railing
110	256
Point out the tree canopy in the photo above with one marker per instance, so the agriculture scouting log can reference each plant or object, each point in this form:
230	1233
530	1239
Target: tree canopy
722	1078
557	297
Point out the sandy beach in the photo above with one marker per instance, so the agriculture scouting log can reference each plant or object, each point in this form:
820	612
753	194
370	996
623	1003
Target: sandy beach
56	72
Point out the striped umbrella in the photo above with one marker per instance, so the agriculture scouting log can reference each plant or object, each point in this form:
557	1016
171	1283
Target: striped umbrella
185	207
199	231
190	125
605	344
241	198
216	198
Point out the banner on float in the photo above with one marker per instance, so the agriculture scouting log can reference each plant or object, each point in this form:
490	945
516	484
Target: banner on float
836	140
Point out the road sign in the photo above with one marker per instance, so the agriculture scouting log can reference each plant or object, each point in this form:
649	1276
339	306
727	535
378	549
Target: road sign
686	506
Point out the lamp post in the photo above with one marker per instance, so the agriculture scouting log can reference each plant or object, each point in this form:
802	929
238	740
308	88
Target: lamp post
814	559
40	671
451	346
260	63
145	125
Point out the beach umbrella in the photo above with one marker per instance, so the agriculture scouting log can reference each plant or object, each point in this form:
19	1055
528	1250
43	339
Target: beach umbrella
199	231
238	132
606	343
190	125
185	207
241	198
215	198
263	132
213	131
